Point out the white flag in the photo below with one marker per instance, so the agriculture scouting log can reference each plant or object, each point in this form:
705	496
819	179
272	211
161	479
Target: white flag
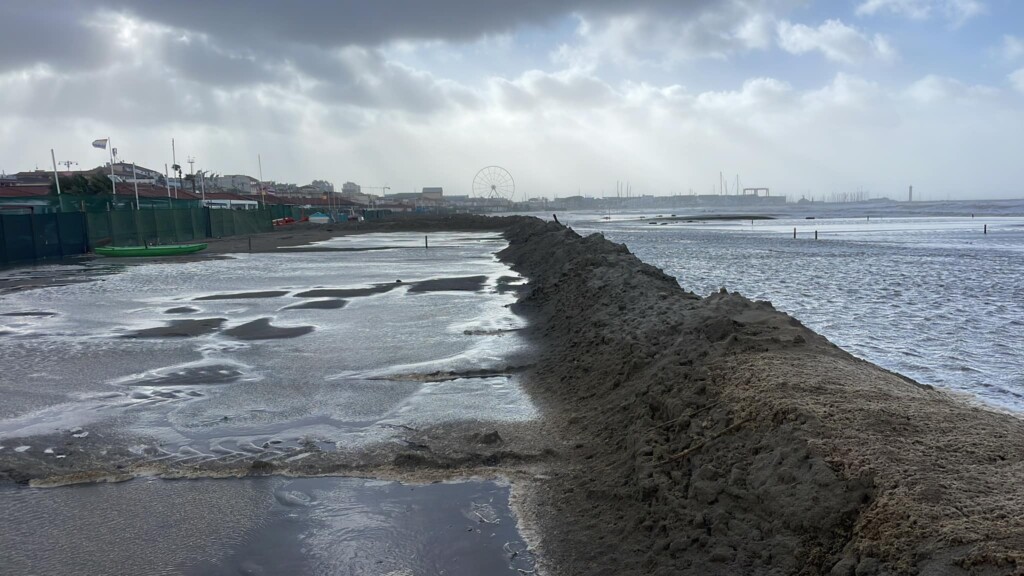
101	143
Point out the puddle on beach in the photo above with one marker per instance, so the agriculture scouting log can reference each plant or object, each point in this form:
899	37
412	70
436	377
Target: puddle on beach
264	525
270	332
263	356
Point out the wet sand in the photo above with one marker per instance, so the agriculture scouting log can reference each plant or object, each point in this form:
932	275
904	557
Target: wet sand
348	292
262	329
297	237
681	435
467	283
290	237
421	452
180	329
244	295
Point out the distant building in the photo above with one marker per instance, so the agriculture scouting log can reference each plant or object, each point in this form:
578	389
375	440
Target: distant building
360	198
280	188
433	193
404	197
124	172
33	178
350	188
238	183
323	186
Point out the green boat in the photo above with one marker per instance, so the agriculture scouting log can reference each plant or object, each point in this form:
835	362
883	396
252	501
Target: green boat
147	251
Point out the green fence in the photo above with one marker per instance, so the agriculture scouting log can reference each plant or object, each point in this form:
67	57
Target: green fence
296	212
235	222
53	228
34	236
135	227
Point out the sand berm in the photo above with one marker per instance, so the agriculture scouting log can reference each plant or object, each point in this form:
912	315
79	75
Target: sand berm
719	436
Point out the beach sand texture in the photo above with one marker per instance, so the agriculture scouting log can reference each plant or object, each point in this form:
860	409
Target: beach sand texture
679	434
719	436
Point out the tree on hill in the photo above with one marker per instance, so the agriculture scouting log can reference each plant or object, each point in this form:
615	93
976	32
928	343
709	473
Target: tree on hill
83	184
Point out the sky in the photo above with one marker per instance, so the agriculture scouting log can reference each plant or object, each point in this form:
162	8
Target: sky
570	96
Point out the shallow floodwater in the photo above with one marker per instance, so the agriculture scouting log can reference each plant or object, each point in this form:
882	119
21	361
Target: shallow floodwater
241	365
269	357
268	526
935	299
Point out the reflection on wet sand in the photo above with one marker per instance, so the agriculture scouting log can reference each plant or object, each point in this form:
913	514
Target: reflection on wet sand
296	367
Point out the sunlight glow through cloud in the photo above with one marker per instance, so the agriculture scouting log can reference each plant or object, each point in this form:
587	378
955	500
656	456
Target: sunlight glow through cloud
570	95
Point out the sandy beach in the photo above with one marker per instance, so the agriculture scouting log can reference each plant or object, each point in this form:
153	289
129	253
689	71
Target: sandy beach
678	434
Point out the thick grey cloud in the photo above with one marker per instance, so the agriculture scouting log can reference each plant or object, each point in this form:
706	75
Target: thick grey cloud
659	92
359	22
54	35
73	34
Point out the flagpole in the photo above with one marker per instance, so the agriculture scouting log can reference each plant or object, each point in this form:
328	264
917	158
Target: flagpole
167	180
56	176
135	179
202	185
263	194
113	183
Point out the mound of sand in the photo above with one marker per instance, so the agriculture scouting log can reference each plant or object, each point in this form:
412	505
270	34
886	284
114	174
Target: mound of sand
720	436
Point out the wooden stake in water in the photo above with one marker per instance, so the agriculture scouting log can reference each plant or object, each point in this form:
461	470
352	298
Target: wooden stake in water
794	233
986	228
815	234
426	244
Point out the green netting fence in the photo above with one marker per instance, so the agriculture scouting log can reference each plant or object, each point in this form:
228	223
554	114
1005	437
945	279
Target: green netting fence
135	227
235	222
56	226
284	211
26	237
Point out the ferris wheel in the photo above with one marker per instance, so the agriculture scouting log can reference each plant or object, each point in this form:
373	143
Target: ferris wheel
494	182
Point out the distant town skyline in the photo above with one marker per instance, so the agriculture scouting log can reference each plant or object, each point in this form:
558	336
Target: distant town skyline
808	98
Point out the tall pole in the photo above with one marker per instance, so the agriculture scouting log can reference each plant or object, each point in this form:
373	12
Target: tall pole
167	180
113	183
263	194
174	155
135	180
202	185
56	176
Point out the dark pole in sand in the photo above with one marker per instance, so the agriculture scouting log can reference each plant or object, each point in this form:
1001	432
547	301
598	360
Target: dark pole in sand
986	228
794	233
426	244
815	234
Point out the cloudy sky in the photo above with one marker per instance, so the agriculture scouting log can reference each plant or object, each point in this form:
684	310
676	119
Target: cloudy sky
806	97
